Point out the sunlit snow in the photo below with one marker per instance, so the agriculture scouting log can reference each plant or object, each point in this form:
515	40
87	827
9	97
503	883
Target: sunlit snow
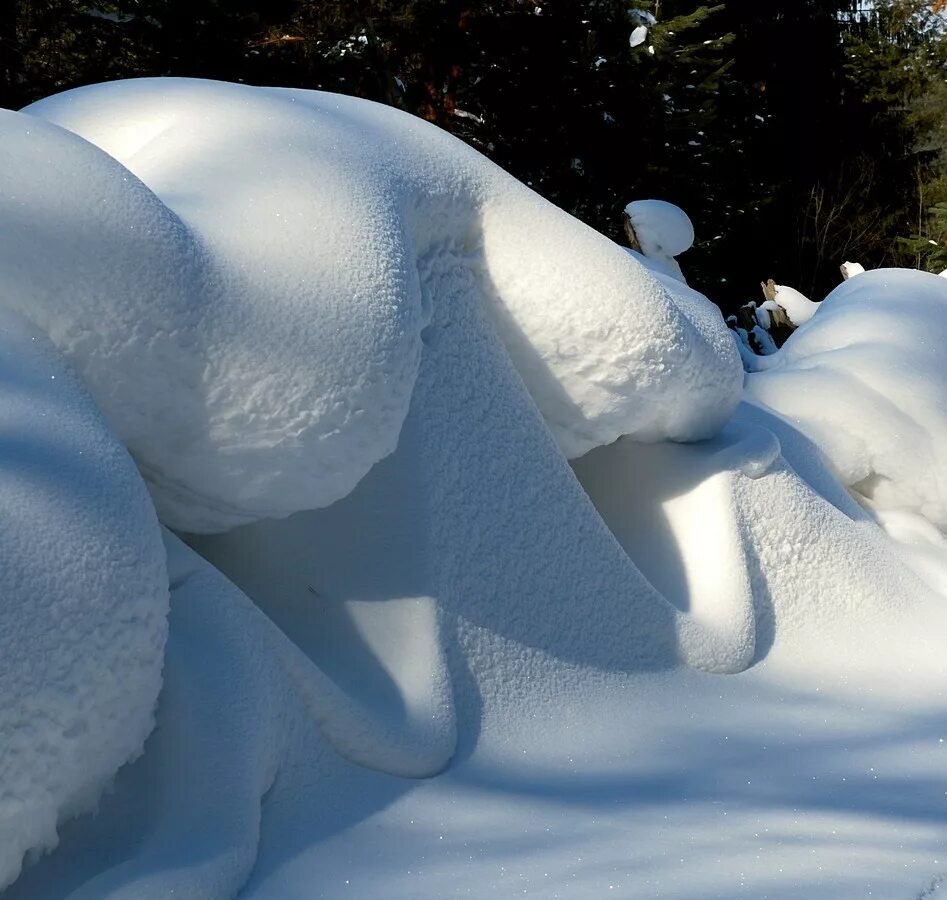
488	576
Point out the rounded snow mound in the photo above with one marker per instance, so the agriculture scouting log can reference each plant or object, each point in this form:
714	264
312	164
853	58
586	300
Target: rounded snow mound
254	339
851	269
243	278
84	599
865	379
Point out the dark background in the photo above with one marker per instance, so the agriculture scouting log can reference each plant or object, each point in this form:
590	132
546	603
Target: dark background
796	133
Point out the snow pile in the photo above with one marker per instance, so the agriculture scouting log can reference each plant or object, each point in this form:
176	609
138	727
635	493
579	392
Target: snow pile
766	343
741	340
576	640
664	664
249	387
763	315
84	599
865	380
280	314
638	36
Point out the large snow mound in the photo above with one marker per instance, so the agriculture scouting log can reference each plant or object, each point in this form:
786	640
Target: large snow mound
257	376
693	668
256	262
865	379
83	598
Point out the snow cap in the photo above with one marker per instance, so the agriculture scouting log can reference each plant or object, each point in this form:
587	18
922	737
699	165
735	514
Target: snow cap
662	228
850	269
798	306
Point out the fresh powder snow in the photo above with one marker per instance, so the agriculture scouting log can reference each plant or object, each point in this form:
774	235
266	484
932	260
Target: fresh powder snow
865	379
338	202
487	577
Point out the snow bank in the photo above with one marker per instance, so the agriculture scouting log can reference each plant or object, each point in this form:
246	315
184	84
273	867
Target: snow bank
84	599
662	652
598	740
865	381
290	290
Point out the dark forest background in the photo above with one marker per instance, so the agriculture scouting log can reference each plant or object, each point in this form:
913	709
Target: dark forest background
796	133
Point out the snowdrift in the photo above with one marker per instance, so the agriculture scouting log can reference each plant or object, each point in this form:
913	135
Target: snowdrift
84	590
271	343
865	379
453	606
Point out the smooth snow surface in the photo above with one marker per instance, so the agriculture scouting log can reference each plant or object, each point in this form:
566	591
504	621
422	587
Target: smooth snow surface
83	598
661	227
865	380
685	671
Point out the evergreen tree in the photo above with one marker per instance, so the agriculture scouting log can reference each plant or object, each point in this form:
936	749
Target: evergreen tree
901	51
896	56
552	91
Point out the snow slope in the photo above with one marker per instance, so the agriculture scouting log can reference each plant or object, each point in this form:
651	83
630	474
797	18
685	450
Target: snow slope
677	670
224	364
84	598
